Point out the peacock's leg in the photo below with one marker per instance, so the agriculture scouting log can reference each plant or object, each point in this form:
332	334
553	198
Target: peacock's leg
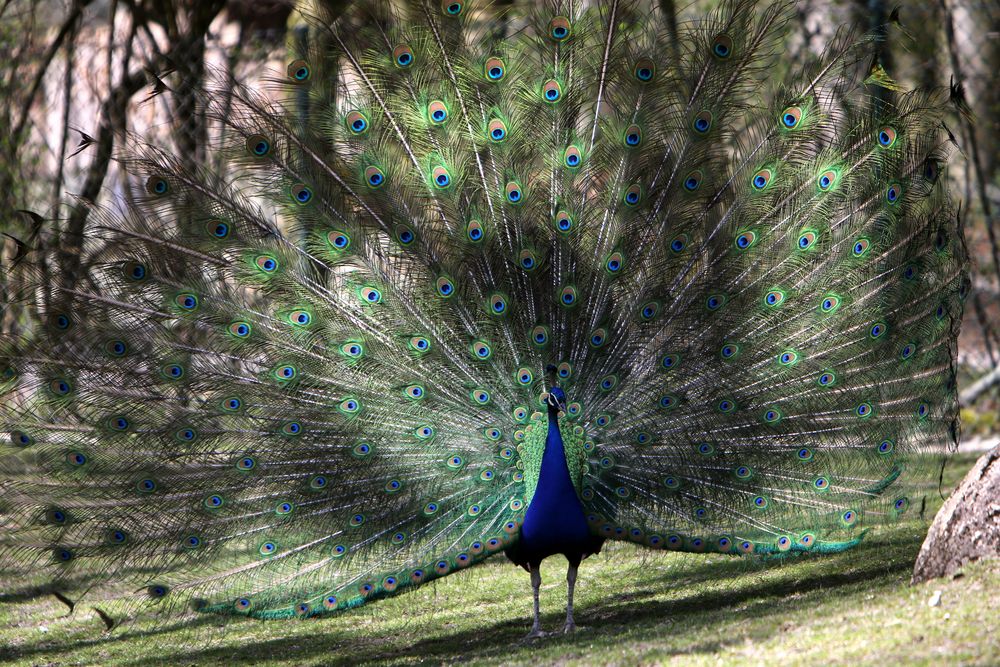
570	583
536	584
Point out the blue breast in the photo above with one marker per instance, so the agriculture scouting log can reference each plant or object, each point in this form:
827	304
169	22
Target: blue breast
554	522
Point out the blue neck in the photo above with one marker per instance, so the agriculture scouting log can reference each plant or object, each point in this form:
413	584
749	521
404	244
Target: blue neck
554	522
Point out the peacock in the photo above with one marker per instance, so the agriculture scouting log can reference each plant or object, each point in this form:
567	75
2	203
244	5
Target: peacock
482	279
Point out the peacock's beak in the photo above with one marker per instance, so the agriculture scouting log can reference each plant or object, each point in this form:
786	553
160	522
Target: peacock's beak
554	401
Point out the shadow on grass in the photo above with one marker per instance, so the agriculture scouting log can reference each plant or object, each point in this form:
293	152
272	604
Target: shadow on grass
692	612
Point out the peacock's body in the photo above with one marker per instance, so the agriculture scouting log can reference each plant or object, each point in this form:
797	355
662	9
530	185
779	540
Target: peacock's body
492	284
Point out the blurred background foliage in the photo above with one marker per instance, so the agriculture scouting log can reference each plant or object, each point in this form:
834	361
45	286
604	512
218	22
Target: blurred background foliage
81	78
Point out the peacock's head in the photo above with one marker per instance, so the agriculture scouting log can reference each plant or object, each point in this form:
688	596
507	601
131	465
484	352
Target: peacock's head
557	399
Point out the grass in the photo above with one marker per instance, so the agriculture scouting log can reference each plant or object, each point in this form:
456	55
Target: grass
633	606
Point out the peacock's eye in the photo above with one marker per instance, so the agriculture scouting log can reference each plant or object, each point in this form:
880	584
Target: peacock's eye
258	145
474	230
563	221
560	28
356	122
299	71
633	194
722	46
644	70
437	112
402	56
791	117
572	157
496	130
551	91
886	137
702	122
494	69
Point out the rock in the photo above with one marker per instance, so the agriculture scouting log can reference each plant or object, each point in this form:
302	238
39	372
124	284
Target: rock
935	600
967	527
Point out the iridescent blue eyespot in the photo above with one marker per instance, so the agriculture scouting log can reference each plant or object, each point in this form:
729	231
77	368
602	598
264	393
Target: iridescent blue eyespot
745	240
762	178
702	122
633	136
374	177
403	56
258	145
513	192
298	71
551	91
356	122
157	185
559	28
886	137
644	70
494	69
722	46
893	192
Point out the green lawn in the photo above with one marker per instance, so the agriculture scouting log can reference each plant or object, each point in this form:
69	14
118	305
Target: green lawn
633	606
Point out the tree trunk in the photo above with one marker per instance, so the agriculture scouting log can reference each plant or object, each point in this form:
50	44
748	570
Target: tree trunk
968	526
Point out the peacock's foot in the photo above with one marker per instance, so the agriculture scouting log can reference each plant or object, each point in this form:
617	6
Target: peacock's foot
536	633
570	627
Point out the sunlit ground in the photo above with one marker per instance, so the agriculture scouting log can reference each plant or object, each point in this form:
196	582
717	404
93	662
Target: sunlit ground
633	606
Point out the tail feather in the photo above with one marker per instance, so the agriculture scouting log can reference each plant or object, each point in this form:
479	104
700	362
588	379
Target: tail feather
312	381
